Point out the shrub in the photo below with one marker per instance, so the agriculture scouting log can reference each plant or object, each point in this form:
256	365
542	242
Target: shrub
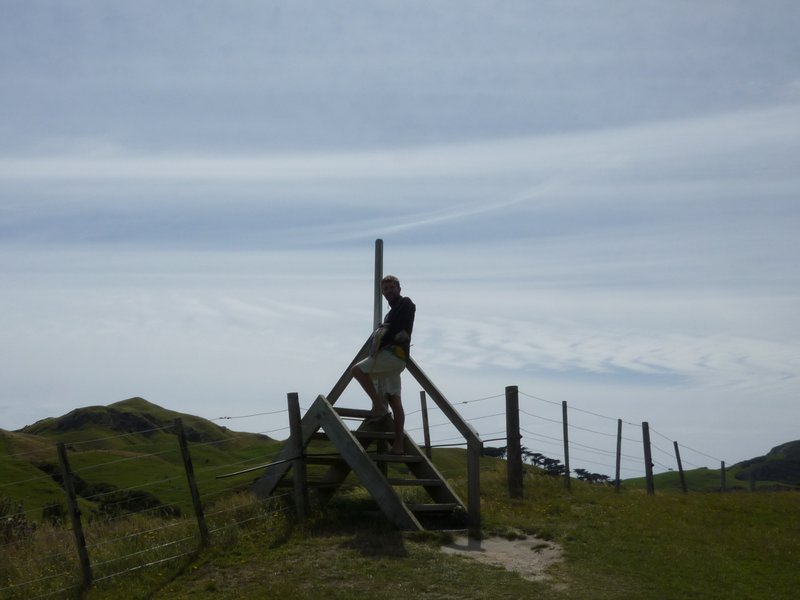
13	523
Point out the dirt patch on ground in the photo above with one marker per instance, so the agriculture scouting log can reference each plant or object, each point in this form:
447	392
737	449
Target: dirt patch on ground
530	557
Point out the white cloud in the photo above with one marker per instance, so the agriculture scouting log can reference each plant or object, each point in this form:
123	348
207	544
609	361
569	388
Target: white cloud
670	147
595	217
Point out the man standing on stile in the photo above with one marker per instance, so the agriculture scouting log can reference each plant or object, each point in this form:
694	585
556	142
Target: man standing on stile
379	373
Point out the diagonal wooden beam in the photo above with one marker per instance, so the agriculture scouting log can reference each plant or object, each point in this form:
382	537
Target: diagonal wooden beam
443	403
344	380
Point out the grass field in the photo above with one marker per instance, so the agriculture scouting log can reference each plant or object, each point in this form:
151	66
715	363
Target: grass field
627	545
703	545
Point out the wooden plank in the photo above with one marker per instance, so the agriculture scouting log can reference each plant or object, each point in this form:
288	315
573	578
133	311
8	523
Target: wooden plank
426	432
451	413
423	482
366	435
324	460
433	508
321	436
311	484
352	413
396	458
299	463
341	385
474	443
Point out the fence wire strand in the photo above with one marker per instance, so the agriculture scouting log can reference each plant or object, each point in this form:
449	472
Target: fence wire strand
220	516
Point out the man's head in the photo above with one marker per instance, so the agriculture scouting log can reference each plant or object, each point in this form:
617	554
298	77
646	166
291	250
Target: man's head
390	287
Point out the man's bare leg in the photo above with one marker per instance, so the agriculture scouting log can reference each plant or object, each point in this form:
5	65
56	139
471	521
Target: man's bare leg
398	447
378	407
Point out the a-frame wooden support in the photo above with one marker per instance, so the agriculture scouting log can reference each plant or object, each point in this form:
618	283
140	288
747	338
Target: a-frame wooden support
356	455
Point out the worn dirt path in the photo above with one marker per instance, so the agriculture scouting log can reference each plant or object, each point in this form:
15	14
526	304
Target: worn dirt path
529	557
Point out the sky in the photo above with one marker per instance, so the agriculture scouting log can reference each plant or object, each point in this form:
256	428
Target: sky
596	202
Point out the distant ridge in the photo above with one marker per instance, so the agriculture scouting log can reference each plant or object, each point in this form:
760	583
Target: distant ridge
127	416
134	416
781	465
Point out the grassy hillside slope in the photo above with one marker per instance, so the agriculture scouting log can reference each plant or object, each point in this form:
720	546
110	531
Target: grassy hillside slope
616	546
125	445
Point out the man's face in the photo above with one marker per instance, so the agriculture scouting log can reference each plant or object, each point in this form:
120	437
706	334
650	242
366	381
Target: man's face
390	290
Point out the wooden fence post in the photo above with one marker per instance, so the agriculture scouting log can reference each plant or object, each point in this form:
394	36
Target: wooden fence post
617	482
474	452
423	401
567	479
299	462
648	458
187	465
680	467
75	516
513	444
723	483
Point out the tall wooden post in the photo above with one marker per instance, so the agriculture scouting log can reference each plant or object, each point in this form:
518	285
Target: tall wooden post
680	467
423	401
722	483
75	516
648	458
187	465
299	462
567	479
377	318
513	444
617	481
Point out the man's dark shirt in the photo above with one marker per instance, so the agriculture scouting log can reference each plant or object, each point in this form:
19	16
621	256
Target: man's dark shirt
399	318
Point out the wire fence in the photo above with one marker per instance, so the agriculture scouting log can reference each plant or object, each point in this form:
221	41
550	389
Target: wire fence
144	521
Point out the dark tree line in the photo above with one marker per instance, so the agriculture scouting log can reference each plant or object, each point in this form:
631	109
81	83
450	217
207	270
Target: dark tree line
551	466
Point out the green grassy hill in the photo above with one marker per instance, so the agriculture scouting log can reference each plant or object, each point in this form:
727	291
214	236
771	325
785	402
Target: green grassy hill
779	468
111	449
780	465
615	546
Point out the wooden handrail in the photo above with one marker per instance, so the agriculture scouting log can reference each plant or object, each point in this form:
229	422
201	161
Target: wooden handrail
449	411
474	445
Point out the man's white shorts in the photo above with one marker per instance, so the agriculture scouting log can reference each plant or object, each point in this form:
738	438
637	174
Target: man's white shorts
384	369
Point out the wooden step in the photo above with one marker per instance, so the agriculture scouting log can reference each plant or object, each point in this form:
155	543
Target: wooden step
360	434
396	458
432	508
424	482
351	413
289	484
324	460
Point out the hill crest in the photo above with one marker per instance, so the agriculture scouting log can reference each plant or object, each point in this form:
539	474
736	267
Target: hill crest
132	416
